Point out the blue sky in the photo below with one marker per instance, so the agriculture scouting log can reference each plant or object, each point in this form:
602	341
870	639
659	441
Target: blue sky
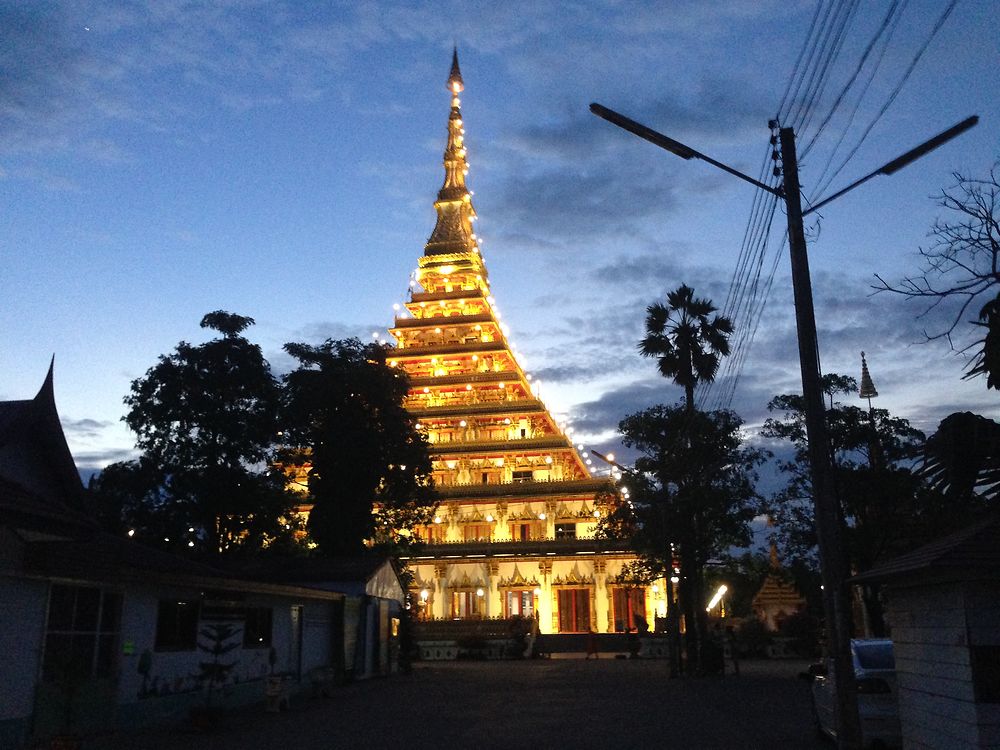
161	160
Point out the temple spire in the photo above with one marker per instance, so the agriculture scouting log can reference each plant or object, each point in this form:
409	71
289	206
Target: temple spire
455	83
453	231
867	385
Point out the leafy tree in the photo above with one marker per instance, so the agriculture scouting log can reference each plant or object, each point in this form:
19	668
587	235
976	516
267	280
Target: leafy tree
691	495
962	459
344	417
961	268
686	342
886	505
205	419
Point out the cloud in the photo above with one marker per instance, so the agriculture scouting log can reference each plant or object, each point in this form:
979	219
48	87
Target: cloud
604	413
89	463
83	429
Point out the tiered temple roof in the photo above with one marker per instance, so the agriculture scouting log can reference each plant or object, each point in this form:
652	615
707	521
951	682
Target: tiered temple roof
479	409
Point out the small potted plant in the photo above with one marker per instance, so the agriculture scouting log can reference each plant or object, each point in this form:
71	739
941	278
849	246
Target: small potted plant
216	640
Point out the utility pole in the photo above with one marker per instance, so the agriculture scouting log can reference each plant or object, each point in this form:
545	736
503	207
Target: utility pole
827	513
826	509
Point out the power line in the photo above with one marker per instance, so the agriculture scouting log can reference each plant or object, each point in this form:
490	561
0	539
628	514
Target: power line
899	86
893	7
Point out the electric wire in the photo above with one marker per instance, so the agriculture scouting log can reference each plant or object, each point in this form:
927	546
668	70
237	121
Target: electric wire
883	27
838	36
821	181
793	100
898	88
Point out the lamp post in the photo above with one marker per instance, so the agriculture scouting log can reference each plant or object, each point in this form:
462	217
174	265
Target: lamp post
826	509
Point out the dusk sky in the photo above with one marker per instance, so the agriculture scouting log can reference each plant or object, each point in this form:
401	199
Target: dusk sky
163	159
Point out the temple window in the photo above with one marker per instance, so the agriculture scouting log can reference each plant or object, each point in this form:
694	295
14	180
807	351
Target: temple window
523	531
519	602
521	476
627	603
565	531
476	532
466	605
574	610
424	603
431	533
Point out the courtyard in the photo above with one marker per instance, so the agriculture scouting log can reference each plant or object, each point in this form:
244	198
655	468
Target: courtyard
551	703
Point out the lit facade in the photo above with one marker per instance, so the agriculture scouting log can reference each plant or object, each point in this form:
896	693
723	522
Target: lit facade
514	533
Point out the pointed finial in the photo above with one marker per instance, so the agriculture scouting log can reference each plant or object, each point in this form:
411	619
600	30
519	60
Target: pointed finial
867	386
455	83
47	391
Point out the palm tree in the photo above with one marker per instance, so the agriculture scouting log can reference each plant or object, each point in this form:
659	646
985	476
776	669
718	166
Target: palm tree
687	342
962	459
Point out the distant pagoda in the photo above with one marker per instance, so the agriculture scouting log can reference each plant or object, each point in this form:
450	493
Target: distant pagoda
514	534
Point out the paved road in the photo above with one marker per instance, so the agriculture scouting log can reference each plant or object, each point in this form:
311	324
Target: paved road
557	703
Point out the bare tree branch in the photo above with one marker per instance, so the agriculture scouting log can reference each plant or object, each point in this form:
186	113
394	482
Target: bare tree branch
961	266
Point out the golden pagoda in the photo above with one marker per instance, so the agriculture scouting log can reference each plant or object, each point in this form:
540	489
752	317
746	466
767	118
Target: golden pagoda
514	533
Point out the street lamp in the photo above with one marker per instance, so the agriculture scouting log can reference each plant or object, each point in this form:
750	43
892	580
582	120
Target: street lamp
836	599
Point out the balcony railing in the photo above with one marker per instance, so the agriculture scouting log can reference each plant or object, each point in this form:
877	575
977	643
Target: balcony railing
463	378
528	548
434	321
473	293
534	487
458	407
474	347
498	446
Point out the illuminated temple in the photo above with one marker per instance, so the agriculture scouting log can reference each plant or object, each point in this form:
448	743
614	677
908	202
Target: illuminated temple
514	531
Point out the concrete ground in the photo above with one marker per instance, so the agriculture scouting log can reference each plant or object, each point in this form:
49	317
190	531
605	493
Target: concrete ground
557	703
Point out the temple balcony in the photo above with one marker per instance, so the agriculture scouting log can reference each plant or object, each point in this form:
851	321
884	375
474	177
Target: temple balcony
434	321
438	350
522	488
463	378
527	548
518	445
459	407
470	293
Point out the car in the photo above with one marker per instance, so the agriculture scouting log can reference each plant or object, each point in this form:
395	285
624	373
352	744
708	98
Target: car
878	704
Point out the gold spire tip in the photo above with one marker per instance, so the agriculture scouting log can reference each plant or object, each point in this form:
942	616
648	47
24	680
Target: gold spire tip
455	83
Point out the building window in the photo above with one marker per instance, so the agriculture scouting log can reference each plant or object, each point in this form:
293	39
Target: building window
424	604
257	628
476	532
521	532
81	634
574	610
521	476
466	605
519	602
565	531
628	603
177	625
432	533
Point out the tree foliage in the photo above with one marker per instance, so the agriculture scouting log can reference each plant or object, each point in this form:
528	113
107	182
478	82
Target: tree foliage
343	415
692	495
886	505
205	420
218	434
962	458
960	270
